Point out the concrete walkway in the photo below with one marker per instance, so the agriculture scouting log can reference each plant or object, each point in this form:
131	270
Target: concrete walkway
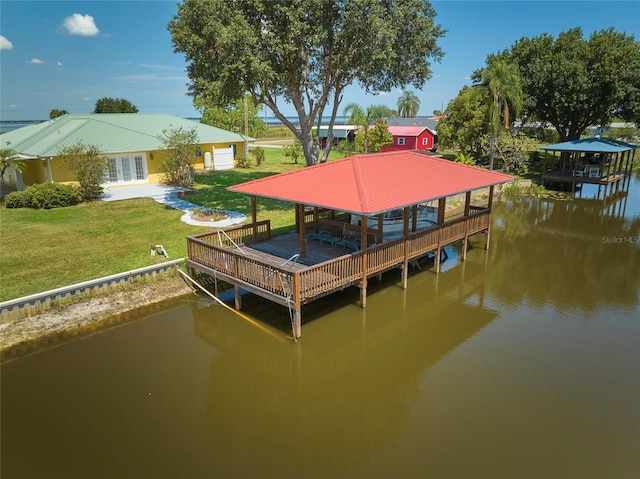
168	195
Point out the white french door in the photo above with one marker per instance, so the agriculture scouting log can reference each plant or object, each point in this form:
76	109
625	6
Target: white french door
126	169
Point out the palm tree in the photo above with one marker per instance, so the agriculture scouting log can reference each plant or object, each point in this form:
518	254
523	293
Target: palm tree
408	104
505	94
363	118
10	159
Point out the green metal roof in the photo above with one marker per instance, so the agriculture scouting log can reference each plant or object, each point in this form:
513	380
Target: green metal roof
110	132
592	145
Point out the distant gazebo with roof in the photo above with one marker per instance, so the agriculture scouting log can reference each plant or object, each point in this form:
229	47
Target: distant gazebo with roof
355	218
598	161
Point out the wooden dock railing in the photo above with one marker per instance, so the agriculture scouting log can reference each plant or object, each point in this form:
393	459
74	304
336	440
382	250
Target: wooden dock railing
284	284
242	234
330	276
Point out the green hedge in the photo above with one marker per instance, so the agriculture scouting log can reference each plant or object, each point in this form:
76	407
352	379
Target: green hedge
44	195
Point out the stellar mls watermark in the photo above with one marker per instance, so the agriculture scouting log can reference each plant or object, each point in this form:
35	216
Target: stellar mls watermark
621	239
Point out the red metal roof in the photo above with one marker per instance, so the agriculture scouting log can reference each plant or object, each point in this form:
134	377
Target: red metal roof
374	183
406	130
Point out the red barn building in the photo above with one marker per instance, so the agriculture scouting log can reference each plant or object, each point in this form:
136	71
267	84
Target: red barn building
412	138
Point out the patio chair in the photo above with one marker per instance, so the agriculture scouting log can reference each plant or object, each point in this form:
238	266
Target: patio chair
345	243
329	238
594	172
319	236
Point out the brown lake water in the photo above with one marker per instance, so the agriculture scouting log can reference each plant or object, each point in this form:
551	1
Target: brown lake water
522	362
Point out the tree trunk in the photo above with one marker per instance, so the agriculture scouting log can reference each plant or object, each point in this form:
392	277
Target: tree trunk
492	149
308	148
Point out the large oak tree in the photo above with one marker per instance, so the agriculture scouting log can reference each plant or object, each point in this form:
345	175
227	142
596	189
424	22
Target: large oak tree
571	82
465	123
305	52
114	105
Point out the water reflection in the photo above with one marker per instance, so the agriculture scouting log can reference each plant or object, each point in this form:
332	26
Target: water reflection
475	372
572	254
348	388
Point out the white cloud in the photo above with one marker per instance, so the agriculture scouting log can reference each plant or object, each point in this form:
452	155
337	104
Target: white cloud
161	67
86	98
36	61
13	105
381	93
82	25
5	44
150	77
59	63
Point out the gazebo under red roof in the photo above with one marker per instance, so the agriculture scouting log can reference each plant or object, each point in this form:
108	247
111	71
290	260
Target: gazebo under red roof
345	195
374	183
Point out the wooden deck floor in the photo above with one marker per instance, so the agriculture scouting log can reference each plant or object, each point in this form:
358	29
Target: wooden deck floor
282	245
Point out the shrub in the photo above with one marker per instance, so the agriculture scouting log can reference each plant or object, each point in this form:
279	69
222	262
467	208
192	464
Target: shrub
259	155
179	150
624	133
465	159
44	195
87	166
243	161
346	147
294	150
513	152
17	199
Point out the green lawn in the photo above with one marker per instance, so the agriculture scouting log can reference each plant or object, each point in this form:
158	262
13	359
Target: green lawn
46	249
210	189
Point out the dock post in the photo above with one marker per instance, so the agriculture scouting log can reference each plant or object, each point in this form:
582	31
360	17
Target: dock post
363	295
437	260
465	246
405	273
238	297
363	264
297	307
405	265
297	322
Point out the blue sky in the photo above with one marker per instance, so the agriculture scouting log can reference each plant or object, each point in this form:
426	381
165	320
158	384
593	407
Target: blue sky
67	55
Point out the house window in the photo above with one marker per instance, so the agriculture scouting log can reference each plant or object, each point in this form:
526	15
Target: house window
400	141
199	151
235	149
127	169
125	165
425	141
140	168
112	174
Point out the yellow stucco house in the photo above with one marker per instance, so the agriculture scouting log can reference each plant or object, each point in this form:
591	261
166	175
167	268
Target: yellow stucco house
130	140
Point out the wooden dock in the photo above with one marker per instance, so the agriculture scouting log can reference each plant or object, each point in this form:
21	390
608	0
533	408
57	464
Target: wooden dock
354	218
249	258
